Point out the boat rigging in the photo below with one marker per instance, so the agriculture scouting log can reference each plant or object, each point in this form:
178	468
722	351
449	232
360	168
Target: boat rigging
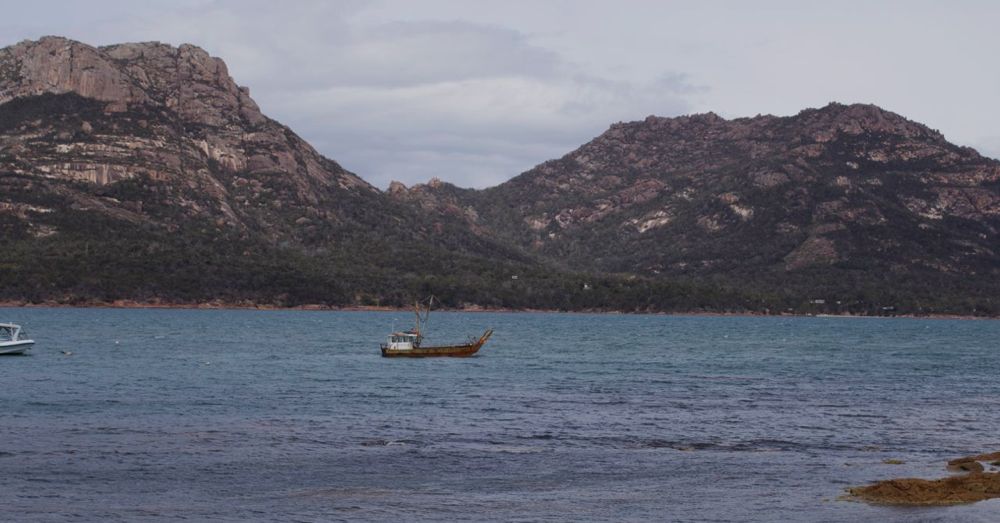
410	343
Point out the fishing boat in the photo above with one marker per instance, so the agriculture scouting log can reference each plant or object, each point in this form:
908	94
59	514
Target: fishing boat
13	340
409	344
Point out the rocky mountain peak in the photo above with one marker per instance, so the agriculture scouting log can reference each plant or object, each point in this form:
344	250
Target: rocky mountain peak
857	133
185	79
396	187
653	121
58	65
188	79
856	119
841	188
170	118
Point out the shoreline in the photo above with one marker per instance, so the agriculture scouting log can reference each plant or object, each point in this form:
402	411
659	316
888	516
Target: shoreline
219	305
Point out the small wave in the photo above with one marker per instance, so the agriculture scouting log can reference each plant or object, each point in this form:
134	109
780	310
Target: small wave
766	445
545	436
755	445
660	444
610	402
513	449
873	416
343	492
378	442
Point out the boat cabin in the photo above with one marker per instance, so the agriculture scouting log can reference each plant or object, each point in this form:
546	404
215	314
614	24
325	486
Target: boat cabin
402	341
11	332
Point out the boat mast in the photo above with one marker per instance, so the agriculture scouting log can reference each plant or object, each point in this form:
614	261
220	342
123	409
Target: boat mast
416	311
426	315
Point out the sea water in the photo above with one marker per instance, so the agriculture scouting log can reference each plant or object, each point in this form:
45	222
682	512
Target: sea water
234	415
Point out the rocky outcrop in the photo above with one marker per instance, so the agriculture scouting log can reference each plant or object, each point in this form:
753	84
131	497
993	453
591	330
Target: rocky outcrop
184	79
955	490
57	65
192	83
975	485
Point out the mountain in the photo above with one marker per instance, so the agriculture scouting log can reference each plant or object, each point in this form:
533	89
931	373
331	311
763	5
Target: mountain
123	115
143	171
847	207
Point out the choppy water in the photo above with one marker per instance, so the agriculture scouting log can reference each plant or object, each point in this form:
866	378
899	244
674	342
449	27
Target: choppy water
293	416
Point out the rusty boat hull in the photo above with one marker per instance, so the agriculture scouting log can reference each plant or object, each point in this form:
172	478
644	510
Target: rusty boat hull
453	351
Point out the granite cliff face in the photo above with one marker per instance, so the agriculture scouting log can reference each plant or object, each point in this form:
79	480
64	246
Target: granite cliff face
832	199
171	116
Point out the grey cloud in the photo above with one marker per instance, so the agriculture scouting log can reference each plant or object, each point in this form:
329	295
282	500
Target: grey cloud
477	92
990	147
412	53
308	46
679	83
470	102
456	130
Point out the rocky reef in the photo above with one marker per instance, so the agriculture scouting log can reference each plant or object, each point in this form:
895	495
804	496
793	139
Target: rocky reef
974	484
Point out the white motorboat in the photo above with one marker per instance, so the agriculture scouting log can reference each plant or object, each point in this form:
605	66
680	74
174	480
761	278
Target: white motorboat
13	340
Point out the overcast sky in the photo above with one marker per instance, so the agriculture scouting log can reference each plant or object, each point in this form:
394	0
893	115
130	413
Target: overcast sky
475	92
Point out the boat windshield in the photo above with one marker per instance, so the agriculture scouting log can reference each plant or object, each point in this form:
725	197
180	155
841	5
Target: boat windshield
6	334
